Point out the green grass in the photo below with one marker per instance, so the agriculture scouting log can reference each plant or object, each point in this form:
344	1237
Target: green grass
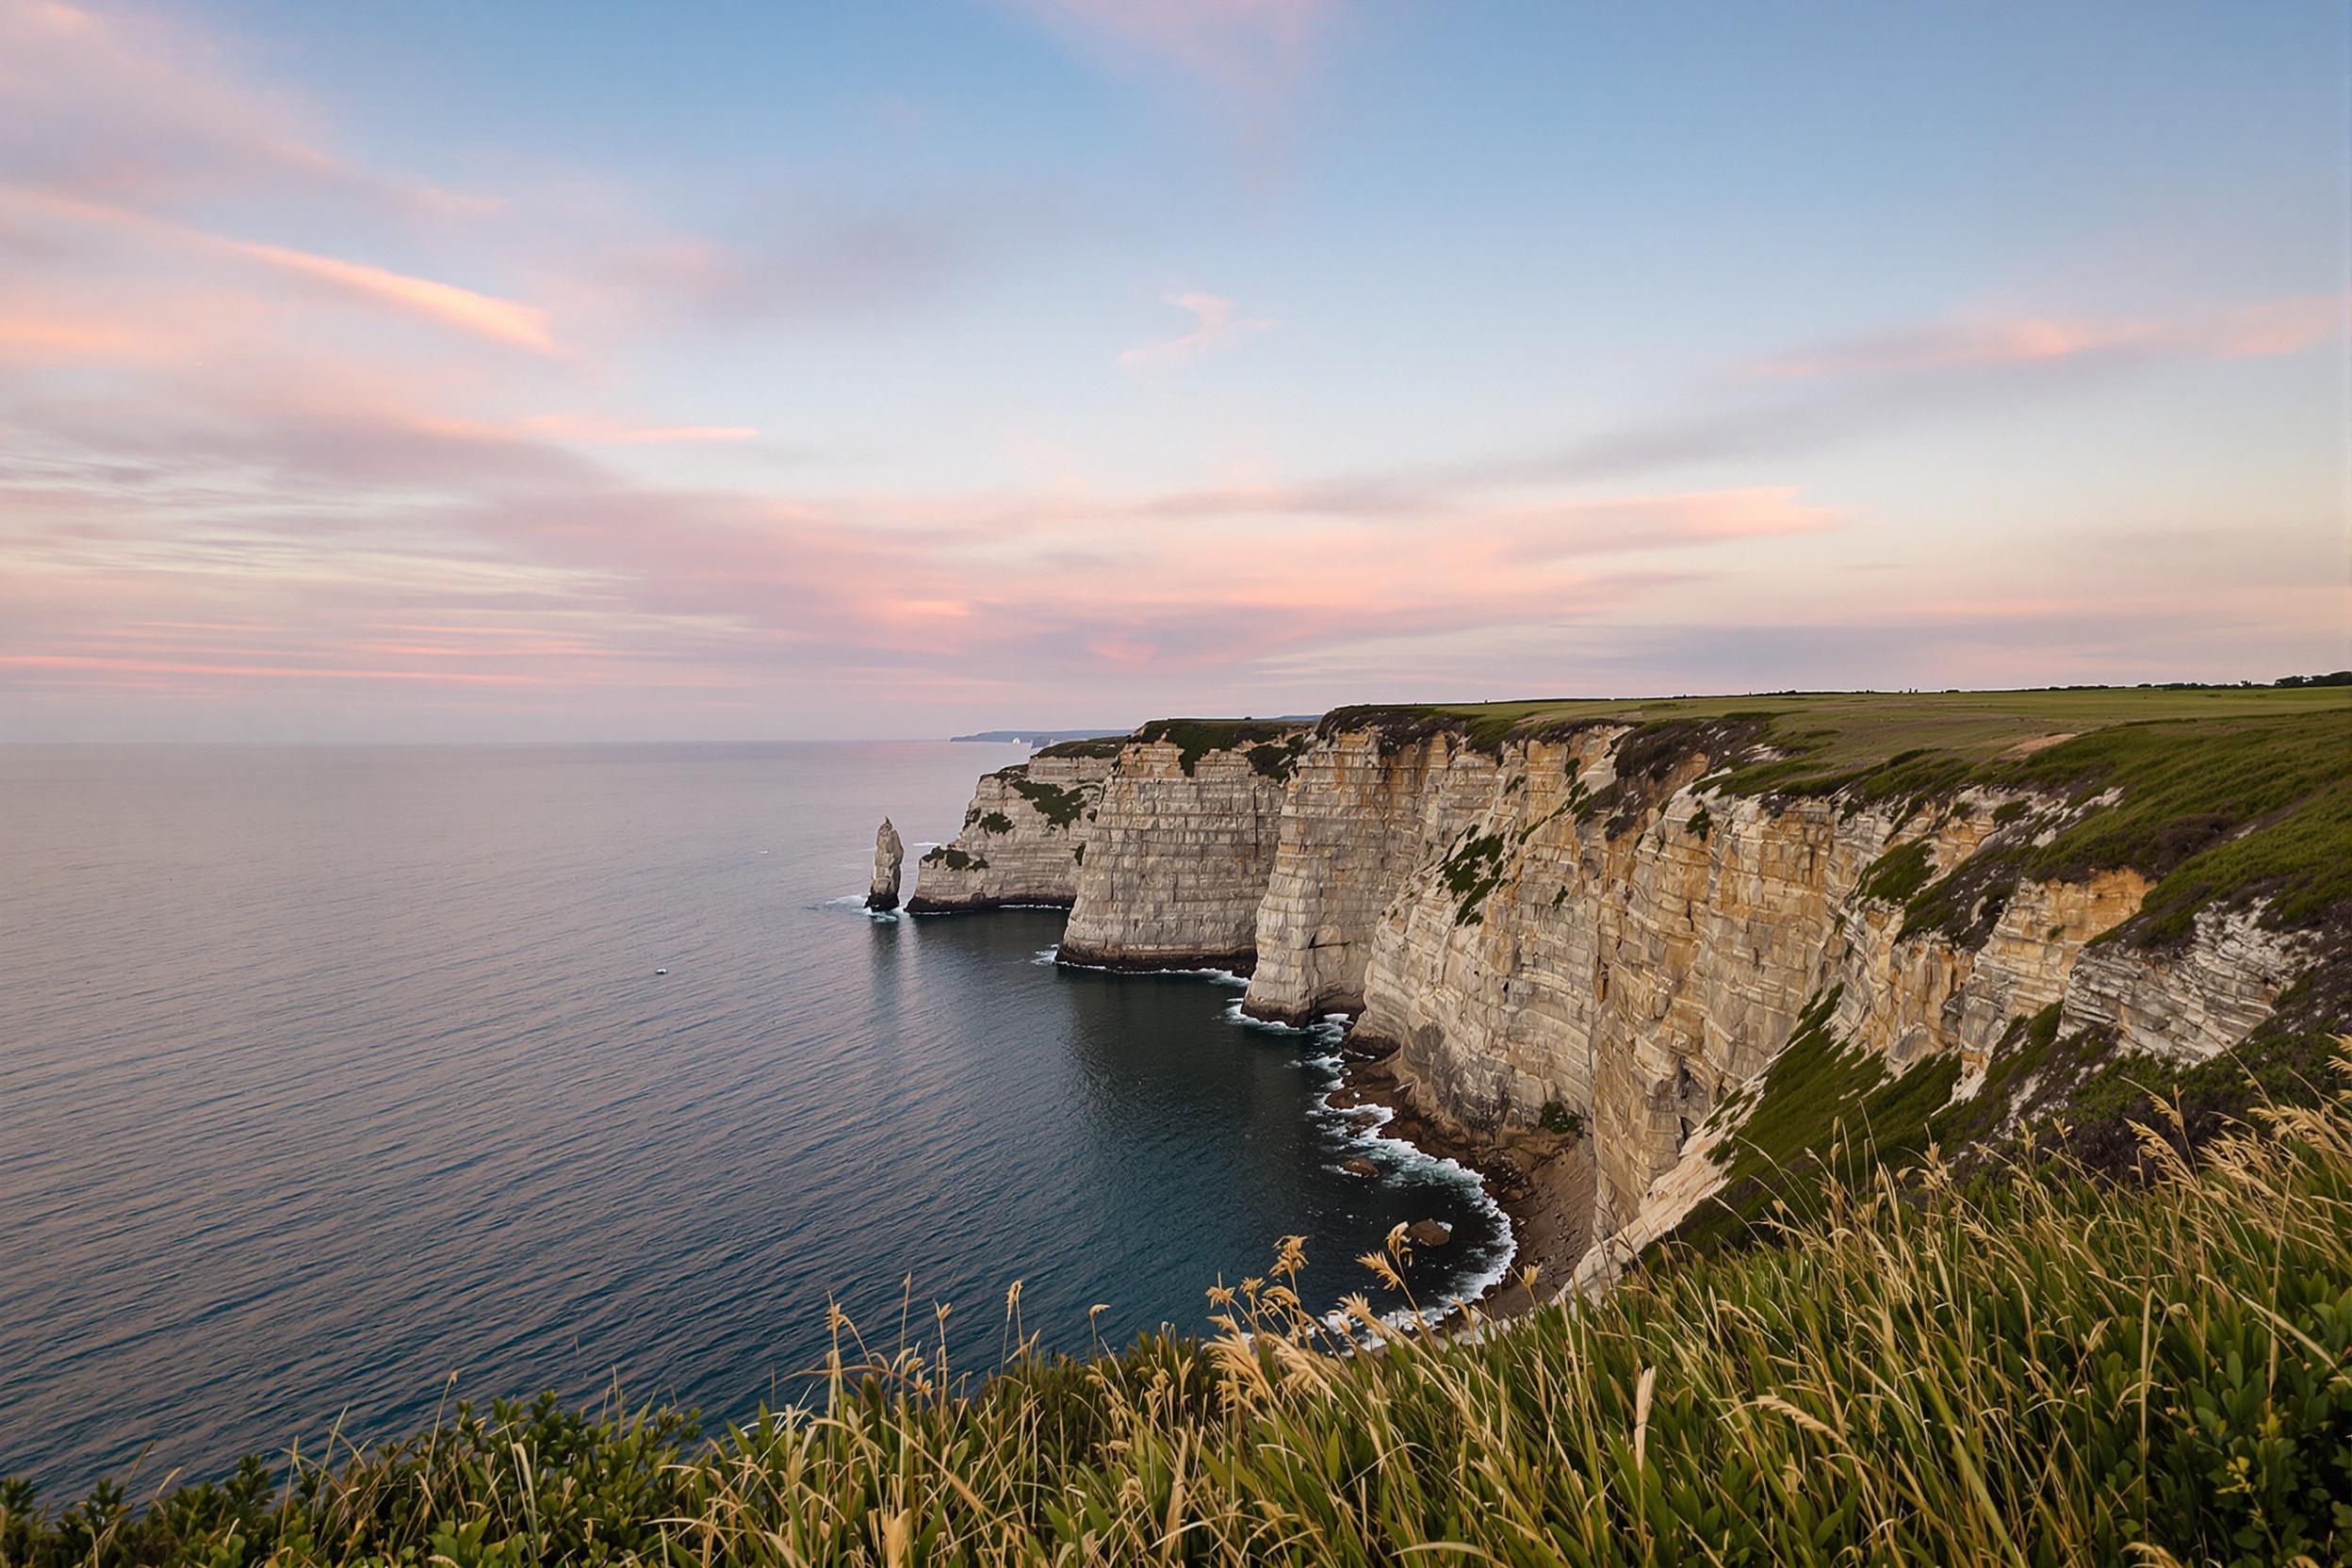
1060	807
2220	811
1280	759
1821	1110
1900	873
1196	738
1823	1114
955	860
1838	731
1472	870
2076	1096
1108	745
2055	1371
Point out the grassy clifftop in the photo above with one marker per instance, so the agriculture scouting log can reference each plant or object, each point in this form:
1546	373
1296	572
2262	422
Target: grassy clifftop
1832	732
2223	795
2058	1370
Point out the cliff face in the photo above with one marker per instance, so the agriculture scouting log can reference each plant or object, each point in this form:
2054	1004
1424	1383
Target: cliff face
1359	815
1021	838
1178	857
1593	929
1641	978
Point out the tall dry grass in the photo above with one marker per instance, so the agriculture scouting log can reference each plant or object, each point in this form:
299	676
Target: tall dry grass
2044	1371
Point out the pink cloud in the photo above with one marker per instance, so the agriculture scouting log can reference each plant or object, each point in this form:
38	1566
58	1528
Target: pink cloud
522	560
484	314
1215	319
465	309
129	107
2272	327
49	340
594	431
272	672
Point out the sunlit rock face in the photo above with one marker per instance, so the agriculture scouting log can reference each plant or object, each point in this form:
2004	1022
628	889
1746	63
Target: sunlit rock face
1177	862
1022	837
1529	931
1360	815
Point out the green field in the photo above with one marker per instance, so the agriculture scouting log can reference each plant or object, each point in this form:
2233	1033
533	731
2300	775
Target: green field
1841	731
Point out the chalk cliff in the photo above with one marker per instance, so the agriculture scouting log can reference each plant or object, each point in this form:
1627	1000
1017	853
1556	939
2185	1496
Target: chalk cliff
1361	810
1181	846
1604	926
1022	836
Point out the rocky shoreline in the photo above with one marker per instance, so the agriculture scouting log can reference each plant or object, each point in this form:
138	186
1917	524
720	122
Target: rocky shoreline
1240	965
1543	1182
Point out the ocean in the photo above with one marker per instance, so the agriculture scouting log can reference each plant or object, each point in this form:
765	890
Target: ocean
338	1084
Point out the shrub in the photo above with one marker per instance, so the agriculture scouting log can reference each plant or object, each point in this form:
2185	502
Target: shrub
1059	807
1557	1118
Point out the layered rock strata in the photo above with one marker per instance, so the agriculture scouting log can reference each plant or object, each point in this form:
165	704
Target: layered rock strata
1638	978
1177	859
1360	814
1022	841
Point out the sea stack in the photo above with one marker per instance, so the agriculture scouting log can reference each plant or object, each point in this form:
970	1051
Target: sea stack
888	855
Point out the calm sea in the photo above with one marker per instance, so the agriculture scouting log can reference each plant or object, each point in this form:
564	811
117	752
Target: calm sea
333	1082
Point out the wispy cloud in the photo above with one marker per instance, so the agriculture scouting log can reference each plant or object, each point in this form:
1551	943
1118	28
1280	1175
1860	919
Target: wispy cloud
595	431
467	310
2270	327
823	258
590	430
485	315
1814	398
128	108
281	429
1244	67
1214	320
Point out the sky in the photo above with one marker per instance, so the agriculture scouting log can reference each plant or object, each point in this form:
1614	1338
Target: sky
451	372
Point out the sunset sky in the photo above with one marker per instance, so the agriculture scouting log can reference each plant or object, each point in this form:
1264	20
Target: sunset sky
508	370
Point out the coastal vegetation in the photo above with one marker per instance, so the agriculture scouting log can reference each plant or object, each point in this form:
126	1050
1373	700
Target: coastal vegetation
1472	870
1196	738
1825	1111
955	860
1841	731
1100	746
1059	807
2219	794
2041	1366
